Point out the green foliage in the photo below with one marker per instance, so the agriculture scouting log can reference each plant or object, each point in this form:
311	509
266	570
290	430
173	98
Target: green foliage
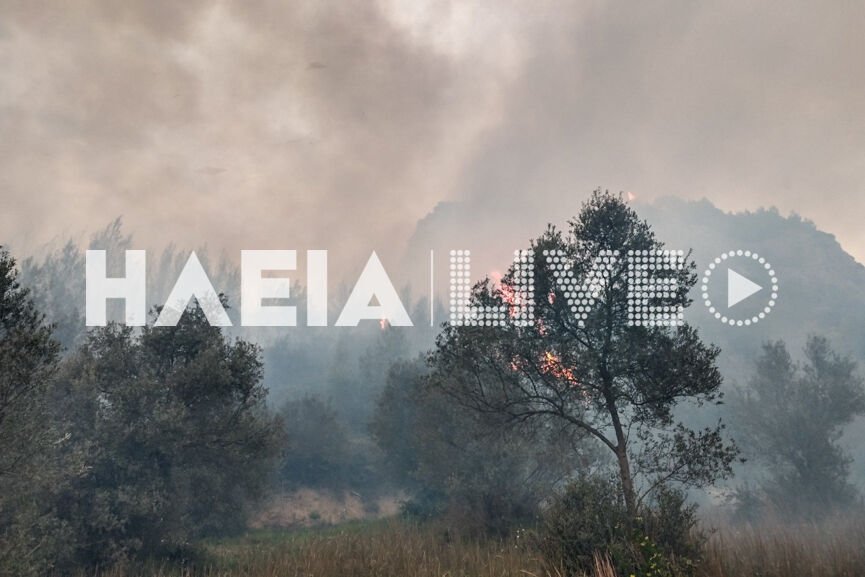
172	435
589	518
602	376
671	524
791	417
465	467
28	357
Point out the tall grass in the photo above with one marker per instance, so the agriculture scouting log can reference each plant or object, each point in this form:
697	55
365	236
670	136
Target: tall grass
833	548
389	548
396	549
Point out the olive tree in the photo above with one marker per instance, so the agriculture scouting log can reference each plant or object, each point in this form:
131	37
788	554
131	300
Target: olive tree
589	365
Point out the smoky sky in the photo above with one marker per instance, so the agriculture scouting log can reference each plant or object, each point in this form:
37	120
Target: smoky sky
339	125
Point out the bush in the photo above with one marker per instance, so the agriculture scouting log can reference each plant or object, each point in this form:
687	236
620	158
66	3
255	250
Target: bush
589	519
586	518
670	525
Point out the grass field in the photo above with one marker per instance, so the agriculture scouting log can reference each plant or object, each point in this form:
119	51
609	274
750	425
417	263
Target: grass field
397	549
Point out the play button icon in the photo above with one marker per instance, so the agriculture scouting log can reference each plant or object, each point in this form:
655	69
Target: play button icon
739	288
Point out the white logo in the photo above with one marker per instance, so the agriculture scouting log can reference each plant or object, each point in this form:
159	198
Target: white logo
740	288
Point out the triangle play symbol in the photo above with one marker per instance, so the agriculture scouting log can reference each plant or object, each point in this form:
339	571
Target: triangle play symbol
739	288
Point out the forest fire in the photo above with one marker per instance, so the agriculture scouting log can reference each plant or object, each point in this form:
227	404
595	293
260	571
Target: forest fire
509	296
552	365
565	218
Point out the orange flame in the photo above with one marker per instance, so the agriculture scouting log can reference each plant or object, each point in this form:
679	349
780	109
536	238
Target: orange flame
552	365
510	298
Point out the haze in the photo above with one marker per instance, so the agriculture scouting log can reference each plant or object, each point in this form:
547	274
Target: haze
340	125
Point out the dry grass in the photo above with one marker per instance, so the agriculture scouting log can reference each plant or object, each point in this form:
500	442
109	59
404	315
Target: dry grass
395	549
385	548
831	549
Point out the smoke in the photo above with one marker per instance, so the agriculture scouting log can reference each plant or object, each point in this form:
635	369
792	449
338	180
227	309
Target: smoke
340	125
240	125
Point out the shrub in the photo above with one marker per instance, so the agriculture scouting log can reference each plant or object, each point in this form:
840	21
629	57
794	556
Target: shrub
671	523
589	519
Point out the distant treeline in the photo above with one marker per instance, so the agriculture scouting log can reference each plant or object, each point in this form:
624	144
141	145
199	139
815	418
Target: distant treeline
121	444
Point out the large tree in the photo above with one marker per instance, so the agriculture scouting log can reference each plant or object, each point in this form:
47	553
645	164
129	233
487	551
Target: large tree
584	363
791	417
28	357
174	436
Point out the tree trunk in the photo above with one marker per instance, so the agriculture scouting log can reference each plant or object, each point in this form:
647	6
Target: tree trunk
621	448
627	481
621	451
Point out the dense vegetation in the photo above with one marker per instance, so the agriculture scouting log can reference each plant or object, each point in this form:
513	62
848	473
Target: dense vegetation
397	549
136	445
560	448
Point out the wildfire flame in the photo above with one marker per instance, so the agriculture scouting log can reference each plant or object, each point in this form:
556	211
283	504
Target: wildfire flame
509	296
552	365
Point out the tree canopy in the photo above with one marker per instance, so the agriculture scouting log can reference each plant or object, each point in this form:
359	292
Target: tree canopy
791	416
585	363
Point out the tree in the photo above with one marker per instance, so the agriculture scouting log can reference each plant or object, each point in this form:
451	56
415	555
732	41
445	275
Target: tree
791	416
616	381
28	358
175	437
482	475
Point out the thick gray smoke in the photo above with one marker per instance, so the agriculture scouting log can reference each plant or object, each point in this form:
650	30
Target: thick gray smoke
340	124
